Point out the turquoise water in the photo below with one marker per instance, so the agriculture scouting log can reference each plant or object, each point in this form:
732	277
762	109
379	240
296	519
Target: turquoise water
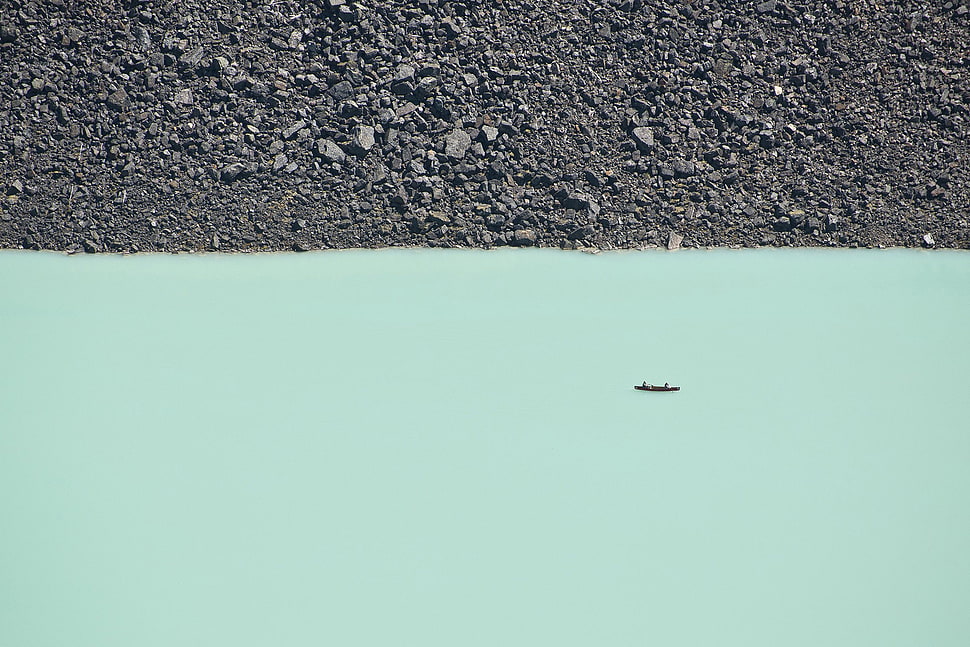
444	448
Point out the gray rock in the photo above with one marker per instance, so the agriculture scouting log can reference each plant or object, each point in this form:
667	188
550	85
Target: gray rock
8	34
524	237
291	131
404	73
118	100
279	162
218	65
683	168
581	232
643	137
457	143
232	172
341	90
782	223
451	29
578	201
329	150
192	58
142	37
674	240
363	139
488	134
184	97
425	88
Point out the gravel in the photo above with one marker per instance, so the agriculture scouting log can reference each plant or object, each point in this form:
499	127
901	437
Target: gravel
284	125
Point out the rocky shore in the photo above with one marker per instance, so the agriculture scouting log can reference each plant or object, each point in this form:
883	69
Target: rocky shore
140	125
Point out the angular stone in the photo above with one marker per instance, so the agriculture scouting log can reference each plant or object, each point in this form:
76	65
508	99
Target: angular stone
451	29
118	100
488	134
291	131
578	201
218	65
674	240
404	73
193	58
425	88
457	143
524	238
8	33
643	137
581	232
766	7
184	97
142	37
363	139
683	168
341	90
329	150
232	172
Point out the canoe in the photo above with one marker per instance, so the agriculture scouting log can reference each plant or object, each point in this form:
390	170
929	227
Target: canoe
651	387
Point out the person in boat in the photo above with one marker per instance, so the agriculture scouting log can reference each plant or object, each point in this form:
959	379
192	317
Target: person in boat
666	385
645	384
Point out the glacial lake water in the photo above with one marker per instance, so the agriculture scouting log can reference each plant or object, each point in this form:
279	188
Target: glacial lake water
444	448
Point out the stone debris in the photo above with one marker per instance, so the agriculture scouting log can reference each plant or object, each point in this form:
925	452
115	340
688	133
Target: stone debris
618	124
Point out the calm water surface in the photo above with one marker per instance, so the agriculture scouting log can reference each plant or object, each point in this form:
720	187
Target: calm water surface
444	448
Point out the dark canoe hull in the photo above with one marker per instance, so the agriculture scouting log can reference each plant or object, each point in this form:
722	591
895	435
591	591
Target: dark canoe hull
657	388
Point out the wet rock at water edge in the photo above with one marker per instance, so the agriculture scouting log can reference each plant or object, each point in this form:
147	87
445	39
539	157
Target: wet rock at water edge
524	237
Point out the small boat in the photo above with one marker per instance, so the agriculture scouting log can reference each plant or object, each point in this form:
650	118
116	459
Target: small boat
651	387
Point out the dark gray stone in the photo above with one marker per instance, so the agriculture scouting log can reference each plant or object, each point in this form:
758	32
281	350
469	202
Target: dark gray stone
341	90
487	134
643	137
118	100
232	172
683	168
184	97
581	233
524	237
329	150
457	143
363	139
291	131
8	33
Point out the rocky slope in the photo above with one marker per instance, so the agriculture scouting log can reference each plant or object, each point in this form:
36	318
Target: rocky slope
273	124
